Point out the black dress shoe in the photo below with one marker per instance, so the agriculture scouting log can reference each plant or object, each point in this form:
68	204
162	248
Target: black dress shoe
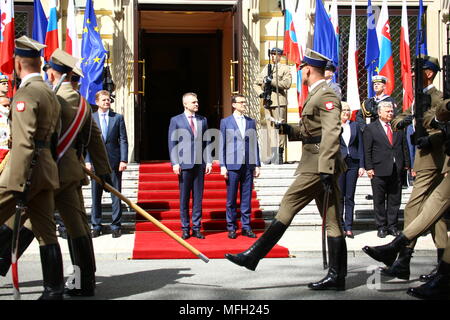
382	233
116	233
96	233
393	232
198	234
232	234
248	233
185	235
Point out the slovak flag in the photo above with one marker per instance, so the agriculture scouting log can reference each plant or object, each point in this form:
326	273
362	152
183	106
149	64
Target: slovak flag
51	38
334	18
386	63
290	44
405	59
7	37
299	32
72	43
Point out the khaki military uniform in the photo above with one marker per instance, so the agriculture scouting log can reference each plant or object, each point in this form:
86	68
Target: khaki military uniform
68	197
438	201
428	167
320	118
284	83
35	117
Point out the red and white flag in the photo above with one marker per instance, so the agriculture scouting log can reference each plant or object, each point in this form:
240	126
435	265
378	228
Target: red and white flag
352	73
405	59
72	43
7	37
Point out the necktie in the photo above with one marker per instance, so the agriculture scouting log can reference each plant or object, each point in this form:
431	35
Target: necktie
104	126
389	133
191	123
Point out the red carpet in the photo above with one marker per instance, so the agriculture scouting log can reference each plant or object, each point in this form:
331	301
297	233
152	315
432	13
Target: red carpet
158	194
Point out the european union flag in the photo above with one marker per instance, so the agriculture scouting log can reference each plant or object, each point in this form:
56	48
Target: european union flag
93	56
421	41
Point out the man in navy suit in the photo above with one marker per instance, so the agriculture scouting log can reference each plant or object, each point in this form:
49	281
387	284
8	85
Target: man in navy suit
186	146
386	155
114	135
239	163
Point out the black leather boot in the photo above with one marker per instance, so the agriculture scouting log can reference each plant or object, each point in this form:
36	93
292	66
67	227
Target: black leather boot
85	285
387	253
437	288
52	272
26	236
273	156
428	277
250	258
280	156
335	279
400	267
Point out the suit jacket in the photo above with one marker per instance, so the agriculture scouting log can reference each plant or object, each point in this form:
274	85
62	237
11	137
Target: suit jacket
320	117
69	166
185	148
355	149
236	150
116	142
380	154
35	117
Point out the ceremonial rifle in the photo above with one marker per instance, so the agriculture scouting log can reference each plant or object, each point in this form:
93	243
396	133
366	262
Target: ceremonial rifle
147	215
267	86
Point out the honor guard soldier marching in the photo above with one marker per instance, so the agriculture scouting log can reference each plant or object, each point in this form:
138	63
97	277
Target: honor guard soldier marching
428	163
438	287
369	108
78	132
272	85
317	175
31	175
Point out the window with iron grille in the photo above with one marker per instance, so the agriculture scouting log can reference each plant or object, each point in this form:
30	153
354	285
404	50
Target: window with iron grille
23	20
361	30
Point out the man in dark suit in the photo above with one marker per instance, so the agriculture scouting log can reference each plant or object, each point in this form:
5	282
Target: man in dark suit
239	163
114	135
386	155
186	146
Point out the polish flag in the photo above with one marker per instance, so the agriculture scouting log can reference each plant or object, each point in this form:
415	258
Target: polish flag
51	38
7	37
352	73
405	59
72	43
386	63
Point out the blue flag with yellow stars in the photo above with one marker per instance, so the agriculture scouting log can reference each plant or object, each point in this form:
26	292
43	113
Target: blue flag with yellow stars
93	56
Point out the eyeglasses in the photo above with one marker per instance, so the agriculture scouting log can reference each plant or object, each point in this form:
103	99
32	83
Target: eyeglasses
241	102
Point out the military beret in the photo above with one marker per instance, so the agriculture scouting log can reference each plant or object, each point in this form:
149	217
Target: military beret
379	78
62	62
330	66
3	77
315	59
27	47
277	51
431	63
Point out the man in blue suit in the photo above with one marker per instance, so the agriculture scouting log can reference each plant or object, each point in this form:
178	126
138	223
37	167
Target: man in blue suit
114	135
239	163
186	146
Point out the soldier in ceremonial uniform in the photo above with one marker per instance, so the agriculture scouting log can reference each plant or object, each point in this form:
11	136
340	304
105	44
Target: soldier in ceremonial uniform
4	85
78	131
438	287
369	108
317	174
330	69
428	163
278	109
31	175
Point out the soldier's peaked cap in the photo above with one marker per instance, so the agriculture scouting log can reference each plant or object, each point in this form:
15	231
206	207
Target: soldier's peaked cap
315	59
379	78
62	62
27	47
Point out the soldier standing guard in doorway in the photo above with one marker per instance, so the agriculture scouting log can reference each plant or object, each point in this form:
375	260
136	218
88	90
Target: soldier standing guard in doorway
272	85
